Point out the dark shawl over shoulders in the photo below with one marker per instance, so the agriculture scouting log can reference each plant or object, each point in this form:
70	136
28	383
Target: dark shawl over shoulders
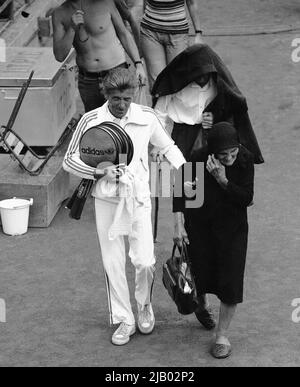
229	104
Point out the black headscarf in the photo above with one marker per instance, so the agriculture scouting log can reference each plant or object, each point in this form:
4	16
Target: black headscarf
222	136
229	104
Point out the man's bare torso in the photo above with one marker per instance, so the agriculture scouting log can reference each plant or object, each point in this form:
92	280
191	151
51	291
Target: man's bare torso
102	51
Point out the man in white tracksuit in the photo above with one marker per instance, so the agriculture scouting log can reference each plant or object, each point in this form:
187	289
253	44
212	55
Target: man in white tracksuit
143	127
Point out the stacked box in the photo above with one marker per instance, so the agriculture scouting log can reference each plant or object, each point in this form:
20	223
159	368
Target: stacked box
48	190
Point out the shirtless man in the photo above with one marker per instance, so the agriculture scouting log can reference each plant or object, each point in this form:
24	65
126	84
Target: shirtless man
96	30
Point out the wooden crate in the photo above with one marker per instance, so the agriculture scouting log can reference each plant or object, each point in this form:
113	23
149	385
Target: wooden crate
48	190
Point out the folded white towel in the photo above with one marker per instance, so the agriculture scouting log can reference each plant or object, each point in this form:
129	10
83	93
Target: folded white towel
123	219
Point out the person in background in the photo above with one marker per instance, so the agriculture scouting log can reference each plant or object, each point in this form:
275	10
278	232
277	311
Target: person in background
96	30
165	32
143	127
217	232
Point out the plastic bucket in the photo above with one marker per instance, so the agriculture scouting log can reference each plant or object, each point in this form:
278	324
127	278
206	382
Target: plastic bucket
15	216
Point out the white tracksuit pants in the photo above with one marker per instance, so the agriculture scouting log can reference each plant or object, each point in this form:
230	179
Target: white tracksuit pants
113	252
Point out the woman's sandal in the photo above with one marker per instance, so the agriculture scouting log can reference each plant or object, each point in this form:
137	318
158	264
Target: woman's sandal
221	351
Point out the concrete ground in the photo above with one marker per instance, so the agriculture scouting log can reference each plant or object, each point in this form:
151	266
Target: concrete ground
52	279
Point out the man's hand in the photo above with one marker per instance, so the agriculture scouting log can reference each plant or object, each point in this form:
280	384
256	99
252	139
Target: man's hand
111	173
207	120
217	170
141	74
77	19
180	234
115	172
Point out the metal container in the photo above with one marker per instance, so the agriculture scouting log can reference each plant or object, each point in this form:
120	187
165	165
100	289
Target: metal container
49	104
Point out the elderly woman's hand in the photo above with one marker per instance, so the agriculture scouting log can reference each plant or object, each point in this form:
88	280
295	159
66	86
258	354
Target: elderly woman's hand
217	170
180	234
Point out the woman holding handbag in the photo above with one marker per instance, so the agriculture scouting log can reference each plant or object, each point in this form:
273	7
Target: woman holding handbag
217	232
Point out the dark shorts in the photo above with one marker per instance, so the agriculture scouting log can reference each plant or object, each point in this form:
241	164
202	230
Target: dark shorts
90	87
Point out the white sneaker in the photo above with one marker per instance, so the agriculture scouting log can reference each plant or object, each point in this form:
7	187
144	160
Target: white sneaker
146	319
123	333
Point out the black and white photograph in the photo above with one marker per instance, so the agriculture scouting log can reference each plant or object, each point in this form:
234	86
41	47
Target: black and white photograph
149	186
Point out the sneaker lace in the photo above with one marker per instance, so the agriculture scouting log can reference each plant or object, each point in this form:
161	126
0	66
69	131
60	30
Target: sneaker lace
123	329
145	315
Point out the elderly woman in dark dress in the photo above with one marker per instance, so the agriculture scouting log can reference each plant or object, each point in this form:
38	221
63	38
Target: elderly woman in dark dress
218	231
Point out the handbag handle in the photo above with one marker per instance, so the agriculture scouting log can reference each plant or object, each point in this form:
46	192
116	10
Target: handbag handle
182	250
184	275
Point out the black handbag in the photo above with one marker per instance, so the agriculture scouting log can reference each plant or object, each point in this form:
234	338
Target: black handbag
179	282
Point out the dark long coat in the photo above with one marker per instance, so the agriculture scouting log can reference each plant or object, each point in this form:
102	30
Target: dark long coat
229	105
218	231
